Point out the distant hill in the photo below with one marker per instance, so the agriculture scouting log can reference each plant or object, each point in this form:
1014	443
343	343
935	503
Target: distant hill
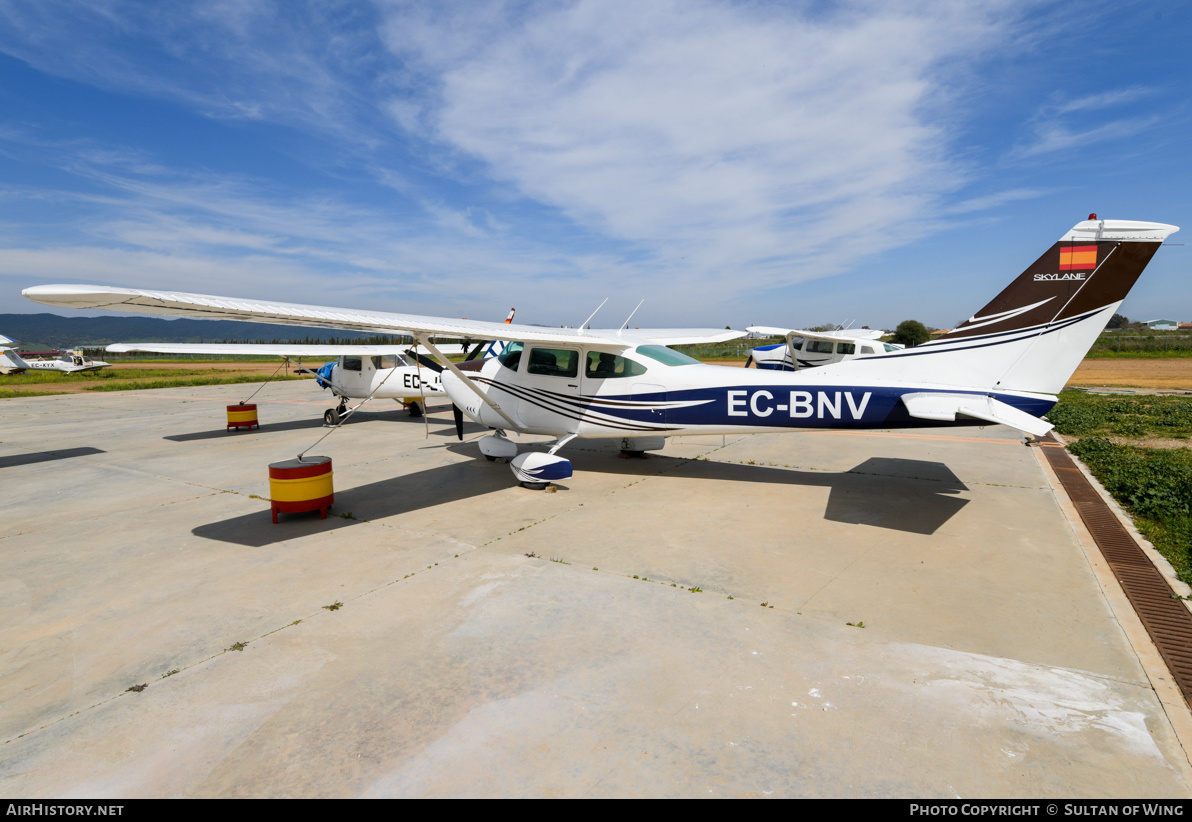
50	331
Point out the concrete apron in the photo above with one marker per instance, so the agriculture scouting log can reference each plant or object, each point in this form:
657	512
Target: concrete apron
990	662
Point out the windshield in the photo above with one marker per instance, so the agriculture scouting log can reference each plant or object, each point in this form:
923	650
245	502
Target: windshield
666	356
511	356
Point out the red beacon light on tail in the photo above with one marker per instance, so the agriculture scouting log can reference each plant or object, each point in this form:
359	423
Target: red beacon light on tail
1092	216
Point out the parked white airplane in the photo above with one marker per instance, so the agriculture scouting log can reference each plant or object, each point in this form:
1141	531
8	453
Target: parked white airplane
1003	365
804	349
69	362
360	372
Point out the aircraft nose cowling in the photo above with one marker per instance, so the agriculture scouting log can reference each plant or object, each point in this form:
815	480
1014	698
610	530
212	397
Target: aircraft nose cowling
540	469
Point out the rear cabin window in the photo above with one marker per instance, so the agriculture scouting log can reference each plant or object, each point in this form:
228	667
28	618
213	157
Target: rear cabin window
511	356
554	362
605	366
846	348
353	364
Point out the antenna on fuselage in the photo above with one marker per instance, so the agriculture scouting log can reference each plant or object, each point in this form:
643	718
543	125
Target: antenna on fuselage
625	324
585	322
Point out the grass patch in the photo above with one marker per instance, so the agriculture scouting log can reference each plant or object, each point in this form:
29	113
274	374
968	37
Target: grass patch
184	382
1079	414
1139	354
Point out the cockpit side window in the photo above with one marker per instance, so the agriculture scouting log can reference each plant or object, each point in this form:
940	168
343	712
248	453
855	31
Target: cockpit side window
511	356
603	365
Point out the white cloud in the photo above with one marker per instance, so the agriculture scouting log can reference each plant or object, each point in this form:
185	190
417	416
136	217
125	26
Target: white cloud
758	137
1070	123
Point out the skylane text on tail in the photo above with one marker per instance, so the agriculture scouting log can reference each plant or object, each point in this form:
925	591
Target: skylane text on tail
1003	365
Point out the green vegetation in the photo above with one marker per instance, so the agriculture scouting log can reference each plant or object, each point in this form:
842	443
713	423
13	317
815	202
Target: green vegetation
126	379
730	350
1135	342
145	385
911	332
1079	414
1153	484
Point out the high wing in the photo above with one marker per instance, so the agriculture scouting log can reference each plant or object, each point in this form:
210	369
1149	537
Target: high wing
260	349
379	322
841	335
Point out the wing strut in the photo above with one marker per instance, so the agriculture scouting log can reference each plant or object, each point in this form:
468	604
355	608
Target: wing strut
451	367
790	349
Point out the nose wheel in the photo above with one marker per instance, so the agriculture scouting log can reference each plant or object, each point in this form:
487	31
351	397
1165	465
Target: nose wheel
332	415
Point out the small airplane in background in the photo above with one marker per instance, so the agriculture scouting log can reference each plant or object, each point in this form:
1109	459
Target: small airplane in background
70	361
401	373
806	349
1004	365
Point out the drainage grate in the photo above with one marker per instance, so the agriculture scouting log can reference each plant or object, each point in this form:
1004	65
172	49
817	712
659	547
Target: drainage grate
1167	620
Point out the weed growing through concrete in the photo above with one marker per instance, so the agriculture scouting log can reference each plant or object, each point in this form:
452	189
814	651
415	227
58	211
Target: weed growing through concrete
335	606
136	689
239	646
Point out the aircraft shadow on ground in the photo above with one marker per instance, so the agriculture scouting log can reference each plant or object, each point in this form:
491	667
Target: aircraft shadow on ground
914	496
47	456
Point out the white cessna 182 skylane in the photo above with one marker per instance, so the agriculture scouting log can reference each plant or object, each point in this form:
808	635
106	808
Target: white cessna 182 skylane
1003	365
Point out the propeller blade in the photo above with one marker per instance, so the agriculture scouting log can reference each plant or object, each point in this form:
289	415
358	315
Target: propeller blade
425	361
459	420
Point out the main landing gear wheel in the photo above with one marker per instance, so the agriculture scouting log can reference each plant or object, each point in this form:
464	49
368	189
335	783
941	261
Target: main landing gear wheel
415	410
331	416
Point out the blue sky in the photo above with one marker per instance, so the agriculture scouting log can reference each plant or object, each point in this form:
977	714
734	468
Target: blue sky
731	163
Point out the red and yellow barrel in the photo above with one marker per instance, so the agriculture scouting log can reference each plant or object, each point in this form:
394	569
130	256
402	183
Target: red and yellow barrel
301	485
242	415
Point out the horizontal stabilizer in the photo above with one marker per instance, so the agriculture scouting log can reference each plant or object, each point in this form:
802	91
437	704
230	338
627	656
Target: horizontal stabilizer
946	407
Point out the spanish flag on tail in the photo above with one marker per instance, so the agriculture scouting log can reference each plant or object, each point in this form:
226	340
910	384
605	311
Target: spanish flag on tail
1078	257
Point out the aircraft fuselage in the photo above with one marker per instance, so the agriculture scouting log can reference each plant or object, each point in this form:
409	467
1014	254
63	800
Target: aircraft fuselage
689	398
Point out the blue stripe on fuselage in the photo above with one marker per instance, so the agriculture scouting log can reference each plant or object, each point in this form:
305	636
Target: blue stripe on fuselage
784	406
